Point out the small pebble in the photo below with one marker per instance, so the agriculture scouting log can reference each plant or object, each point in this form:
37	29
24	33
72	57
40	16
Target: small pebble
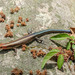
17	25
9	34
16	71
11	26
12	11
30	73
20	18
27	20
7	27
11	22
23	24
19	21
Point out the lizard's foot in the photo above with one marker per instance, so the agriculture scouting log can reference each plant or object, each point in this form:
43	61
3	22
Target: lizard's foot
15	51
40	41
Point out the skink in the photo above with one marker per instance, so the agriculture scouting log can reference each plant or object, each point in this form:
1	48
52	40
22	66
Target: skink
26	39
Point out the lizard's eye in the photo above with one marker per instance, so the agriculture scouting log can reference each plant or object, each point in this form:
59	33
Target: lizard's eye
0	47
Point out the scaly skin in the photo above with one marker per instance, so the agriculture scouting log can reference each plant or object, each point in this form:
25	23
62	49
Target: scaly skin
30	37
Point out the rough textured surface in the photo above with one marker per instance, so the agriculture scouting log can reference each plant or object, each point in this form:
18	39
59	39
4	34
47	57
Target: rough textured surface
42	14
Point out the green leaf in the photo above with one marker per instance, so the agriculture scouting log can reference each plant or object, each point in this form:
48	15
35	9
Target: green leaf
72	41
60	61
49	55
73	47
70	62
72	37
68	45
60	37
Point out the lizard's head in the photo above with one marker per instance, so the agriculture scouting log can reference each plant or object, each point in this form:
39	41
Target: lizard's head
2	46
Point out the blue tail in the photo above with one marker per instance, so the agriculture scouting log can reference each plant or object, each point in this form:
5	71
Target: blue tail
51	31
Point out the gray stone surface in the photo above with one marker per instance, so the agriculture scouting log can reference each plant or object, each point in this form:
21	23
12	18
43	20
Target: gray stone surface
42	14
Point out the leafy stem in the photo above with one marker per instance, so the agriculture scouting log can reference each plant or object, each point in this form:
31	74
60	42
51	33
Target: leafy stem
61	56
